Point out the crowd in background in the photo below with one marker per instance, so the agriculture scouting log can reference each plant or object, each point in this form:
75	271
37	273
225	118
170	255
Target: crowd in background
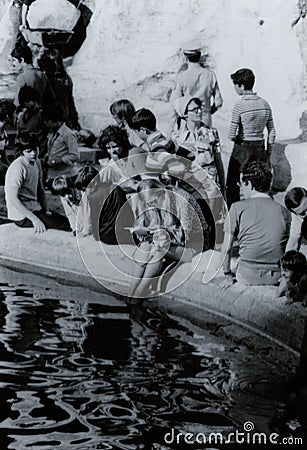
138	158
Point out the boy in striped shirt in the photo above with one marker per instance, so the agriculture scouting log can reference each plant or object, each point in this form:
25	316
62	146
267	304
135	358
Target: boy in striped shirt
250	116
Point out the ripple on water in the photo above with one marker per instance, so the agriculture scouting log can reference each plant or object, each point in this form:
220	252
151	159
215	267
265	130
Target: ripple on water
87	376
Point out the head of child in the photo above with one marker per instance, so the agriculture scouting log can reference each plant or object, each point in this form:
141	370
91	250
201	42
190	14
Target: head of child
122	111
114	140
293	264
21	55
296	201
256	176
27	146
60	186
53	116
243	80
51	62
29	98
87	178
144	123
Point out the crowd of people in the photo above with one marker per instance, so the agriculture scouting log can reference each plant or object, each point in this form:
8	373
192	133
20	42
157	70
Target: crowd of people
162	193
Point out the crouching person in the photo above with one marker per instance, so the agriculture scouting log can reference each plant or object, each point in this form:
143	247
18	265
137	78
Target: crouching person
293	282
24	192
71	190
70	198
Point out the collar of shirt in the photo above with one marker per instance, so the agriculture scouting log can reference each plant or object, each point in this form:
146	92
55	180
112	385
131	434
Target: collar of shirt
61	129
54	134
186	132
247	95
260	195
155	136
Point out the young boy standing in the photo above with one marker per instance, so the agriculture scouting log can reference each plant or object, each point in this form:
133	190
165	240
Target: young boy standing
250	116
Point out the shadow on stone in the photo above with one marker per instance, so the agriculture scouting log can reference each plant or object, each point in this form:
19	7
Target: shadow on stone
281	168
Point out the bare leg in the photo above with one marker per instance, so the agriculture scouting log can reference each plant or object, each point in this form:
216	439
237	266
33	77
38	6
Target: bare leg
146	270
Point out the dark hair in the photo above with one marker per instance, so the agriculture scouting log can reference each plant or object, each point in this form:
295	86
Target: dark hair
123	109
85	175
3	115
51	62
26	141
259	174
294	197
294	261
47	65
22	52
143	118
245	77
60	185
28	93
196	100
54	112
194	58
116	134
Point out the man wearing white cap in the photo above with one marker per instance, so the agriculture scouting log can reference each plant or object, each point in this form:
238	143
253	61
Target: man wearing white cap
199	82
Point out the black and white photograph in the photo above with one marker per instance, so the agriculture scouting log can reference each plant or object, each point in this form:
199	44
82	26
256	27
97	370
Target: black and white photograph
153	224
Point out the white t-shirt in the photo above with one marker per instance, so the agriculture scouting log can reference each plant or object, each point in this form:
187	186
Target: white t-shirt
25	176
295	230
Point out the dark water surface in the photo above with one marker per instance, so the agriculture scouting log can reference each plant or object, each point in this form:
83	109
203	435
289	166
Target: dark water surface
81	375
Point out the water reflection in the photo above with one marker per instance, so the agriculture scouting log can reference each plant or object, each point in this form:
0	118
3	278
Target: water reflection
81	375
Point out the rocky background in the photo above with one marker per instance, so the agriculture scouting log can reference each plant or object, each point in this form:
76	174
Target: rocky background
133	51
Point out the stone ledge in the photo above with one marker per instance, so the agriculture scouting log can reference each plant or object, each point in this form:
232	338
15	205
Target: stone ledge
55	255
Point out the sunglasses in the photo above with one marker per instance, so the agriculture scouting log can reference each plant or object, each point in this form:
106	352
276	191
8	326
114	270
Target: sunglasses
196	109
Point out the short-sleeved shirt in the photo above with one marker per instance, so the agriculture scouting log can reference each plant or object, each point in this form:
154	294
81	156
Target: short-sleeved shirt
261	227
199	82
25	176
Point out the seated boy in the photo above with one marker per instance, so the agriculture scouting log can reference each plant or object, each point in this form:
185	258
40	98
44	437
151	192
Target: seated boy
145	125
61	143
24	193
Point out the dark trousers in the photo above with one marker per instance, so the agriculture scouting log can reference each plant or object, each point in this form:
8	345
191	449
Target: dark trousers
54	220
243	154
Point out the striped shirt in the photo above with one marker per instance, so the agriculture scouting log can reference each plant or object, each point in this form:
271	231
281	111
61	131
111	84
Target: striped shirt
250	116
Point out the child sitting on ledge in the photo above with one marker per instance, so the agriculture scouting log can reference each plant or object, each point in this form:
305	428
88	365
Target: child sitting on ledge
293	282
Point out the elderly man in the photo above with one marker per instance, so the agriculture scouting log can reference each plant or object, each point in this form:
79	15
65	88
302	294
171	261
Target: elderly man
199	82
261	227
